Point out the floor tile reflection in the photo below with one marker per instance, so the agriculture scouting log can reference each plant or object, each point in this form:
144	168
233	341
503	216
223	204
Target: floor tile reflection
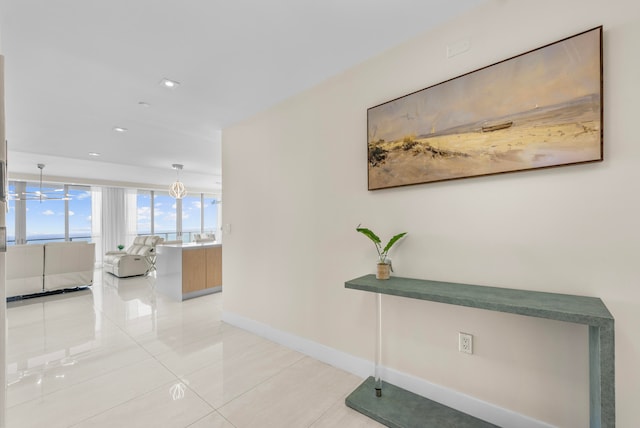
121	355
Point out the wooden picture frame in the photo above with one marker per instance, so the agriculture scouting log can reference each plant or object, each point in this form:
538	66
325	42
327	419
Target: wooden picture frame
539	109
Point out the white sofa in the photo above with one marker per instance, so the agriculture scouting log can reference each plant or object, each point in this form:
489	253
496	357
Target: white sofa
39	268
138	259
25	269
68	264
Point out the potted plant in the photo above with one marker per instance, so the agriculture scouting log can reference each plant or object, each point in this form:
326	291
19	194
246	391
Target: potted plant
384	263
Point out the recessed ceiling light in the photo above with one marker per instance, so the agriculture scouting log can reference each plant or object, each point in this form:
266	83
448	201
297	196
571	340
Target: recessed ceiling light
168	83
119	129
94	154
144	104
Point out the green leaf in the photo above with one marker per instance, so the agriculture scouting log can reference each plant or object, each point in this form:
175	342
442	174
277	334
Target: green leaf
393	241
369	234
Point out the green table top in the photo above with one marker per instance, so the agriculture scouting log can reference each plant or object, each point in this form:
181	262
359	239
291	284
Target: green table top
561	307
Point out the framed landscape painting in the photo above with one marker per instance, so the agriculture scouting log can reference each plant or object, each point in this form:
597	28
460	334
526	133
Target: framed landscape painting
539	109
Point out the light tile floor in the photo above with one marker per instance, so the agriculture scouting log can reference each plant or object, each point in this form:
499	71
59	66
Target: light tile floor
121	355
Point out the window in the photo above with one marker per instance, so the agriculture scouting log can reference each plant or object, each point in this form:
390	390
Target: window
164	216
211	215
44	214
160	214
79	213
45	217
144	212
191	216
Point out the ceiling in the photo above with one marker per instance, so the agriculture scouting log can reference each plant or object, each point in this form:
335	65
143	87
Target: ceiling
75	69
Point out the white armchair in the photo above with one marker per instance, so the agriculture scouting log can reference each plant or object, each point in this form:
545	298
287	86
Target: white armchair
204	237
138	259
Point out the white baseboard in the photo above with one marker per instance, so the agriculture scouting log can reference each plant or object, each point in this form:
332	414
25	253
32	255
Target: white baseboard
347	362
364	368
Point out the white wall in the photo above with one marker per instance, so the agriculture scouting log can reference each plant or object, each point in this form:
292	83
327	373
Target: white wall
299	170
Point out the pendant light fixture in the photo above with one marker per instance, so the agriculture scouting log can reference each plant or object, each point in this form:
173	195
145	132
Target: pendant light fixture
177	189
41	195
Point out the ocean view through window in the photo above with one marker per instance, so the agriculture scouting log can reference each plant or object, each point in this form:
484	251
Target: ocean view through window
44	214
79	213
191	216
157	214
144	211
164	216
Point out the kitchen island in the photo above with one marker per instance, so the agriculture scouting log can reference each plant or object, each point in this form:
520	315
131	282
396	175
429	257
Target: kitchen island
189	270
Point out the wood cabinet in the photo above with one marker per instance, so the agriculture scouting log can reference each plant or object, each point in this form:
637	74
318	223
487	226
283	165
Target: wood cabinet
214	266
188	270
201	268
193	270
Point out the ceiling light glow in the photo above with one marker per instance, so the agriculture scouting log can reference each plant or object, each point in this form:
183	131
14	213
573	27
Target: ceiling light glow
168	83
119	129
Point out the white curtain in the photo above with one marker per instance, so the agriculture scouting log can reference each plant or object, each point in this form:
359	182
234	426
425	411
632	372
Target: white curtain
131	212
114	218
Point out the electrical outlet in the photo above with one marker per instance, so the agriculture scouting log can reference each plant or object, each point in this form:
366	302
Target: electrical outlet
465	343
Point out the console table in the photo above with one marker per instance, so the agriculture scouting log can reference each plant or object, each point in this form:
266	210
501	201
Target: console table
387	407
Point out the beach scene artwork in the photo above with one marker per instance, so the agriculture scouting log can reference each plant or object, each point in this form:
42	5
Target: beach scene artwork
535	110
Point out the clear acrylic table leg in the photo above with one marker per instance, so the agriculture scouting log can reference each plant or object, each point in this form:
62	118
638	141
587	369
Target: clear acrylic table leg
378	345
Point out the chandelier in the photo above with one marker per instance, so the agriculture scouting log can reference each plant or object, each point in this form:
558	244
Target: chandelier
41	195
177	189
